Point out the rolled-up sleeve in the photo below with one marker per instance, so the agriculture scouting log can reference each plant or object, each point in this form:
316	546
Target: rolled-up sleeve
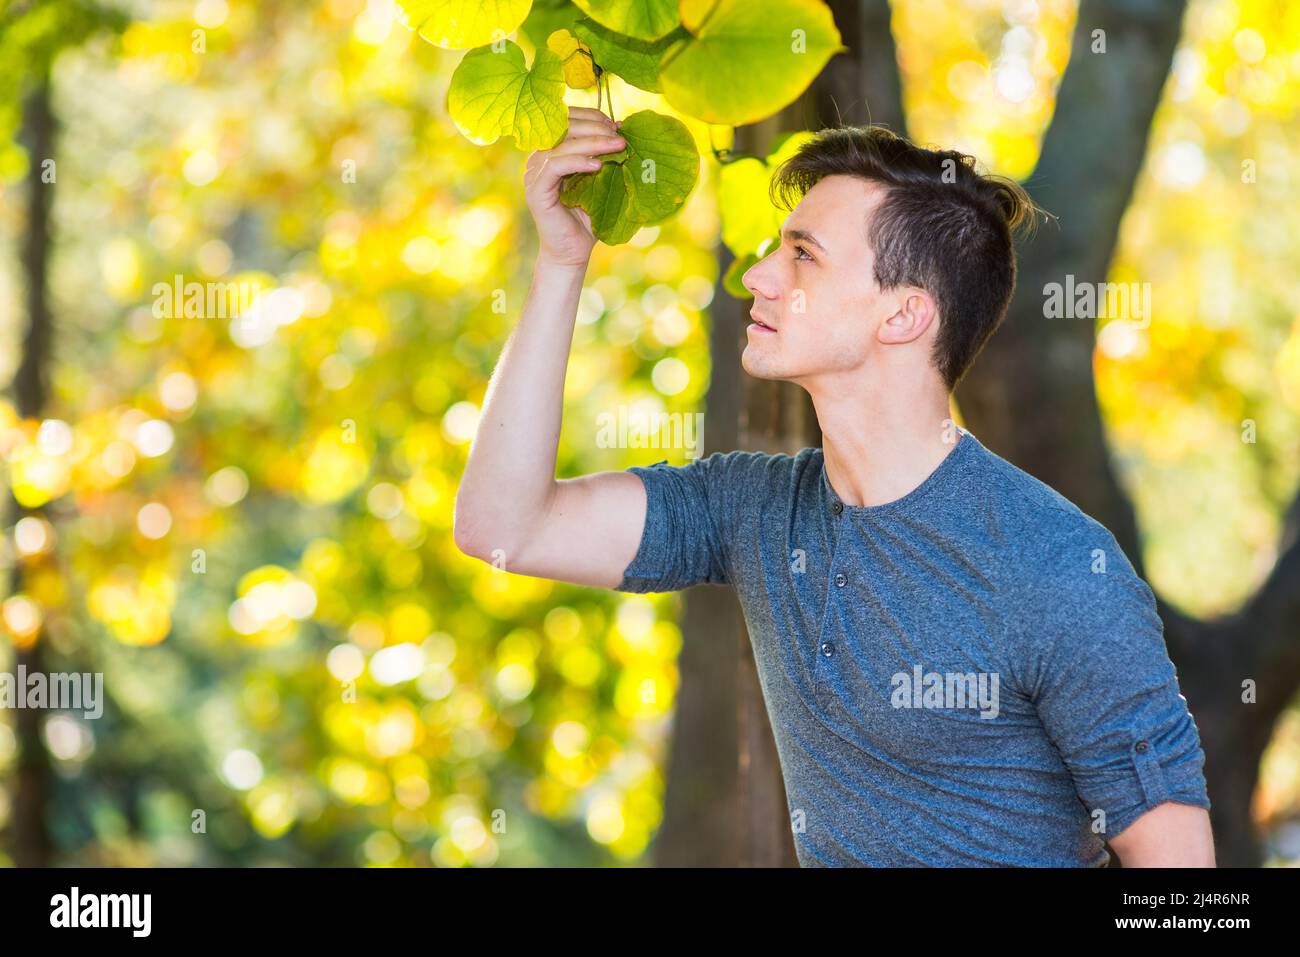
690	519
1108	694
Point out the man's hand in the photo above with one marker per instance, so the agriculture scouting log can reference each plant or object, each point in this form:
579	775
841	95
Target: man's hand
1168	835
564	232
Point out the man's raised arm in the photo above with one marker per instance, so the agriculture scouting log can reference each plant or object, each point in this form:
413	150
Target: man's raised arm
510	510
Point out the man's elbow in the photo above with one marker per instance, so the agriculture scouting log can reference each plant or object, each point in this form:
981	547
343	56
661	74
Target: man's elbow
469	541
460	535
481	540
483	528
1168	835
465	531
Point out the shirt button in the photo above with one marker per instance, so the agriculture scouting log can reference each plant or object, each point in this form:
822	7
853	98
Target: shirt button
828	649
836	507
1140	747
841	580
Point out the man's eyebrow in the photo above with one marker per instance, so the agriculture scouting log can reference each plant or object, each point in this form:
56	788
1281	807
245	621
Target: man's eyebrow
802	234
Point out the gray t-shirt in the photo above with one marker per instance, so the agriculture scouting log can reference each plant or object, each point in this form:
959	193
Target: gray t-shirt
972	674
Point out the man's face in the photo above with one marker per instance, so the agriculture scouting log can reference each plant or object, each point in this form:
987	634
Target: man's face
818	292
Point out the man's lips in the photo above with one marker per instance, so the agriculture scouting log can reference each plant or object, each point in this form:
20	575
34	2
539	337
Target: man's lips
759	322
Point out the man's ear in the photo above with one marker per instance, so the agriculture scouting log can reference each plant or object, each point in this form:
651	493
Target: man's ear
913	316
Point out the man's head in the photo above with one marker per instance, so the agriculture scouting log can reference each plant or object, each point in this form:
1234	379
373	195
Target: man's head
895	256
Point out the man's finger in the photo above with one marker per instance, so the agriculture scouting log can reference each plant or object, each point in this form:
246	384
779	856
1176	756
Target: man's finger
587	113
557	167
587	128
588	146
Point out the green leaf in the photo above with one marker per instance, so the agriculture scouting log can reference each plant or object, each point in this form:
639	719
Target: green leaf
604	195
643	19
642	184
494	94
748	215
636	61
661	165
461	24
747	60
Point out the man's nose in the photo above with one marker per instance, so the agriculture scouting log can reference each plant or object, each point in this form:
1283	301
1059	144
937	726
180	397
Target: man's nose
756	281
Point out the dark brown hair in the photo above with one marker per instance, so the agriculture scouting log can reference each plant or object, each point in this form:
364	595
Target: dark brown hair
941	226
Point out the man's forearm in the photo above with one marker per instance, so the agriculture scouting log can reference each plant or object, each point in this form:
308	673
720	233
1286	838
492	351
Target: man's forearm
510	472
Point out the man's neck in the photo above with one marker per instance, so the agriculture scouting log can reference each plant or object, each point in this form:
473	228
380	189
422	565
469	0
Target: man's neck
881	440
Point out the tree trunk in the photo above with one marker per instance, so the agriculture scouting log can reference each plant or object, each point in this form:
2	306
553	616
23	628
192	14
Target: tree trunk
29	836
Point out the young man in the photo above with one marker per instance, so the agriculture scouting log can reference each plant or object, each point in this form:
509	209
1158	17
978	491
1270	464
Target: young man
961	667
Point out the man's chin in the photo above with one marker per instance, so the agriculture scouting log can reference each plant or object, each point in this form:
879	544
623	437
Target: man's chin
759	370
758	363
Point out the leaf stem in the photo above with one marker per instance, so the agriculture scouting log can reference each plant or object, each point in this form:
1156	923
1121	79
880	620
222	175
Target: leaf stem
726	154
601	86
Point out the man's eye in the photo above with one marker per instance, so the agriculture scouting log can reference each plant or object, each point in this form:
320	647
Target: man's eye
802	250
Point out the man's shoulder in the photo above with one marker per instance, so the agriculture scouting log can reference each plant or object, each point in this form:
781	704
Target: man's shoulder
1026	494
1053	537
1065	573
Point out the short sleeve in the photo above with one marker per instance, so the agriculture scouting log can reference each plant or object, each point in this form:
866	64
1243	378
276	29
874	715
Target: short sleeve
1107	693
691	514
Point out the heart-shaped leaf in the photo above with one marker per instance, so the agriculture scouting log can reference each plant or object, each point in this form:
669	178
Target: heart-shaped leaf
746	60
642	184
494	94
643	19
461	24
